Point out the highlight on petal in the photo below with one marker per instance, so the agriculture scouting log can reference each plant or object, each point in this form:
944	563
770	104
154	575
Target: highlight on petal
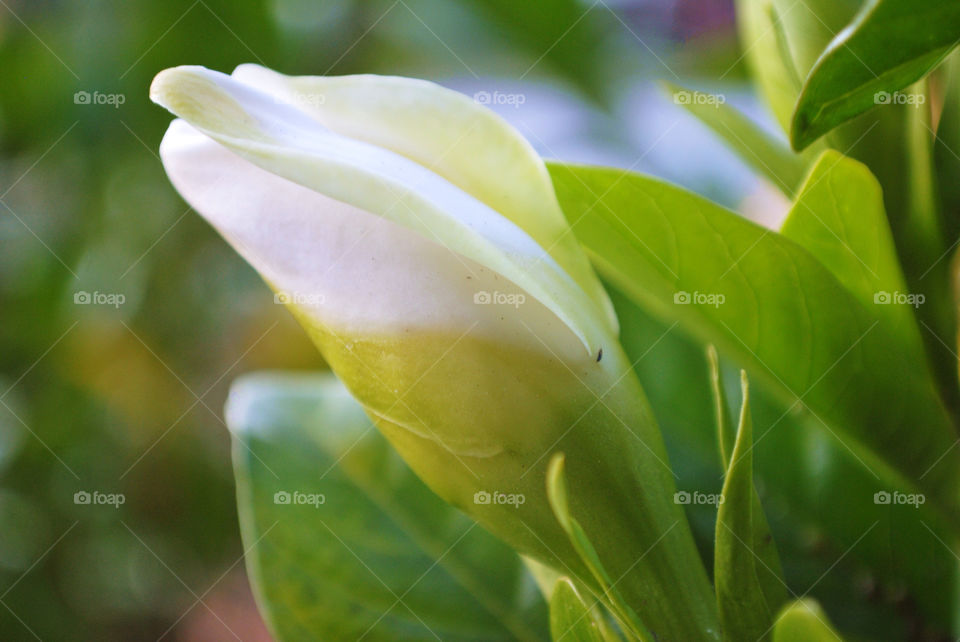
349	270
386	305
287	142
452	135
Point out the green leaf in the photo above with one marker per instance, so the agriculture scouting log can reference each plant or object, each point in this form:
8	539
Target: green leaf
804	621
557	495
571	619
815	488
839	217
947	143
782	39
744	544
783	316
381	557
769	572
889	45
767	155
726	436
924	206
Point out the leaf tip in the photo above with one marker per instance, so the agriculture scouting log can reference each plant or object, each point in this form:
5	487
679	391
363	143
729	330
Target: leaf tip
557	490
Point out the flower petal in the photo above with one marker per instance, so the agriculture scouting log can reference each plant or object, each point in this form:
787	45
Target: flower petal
452	135
351	271
357	280
290	144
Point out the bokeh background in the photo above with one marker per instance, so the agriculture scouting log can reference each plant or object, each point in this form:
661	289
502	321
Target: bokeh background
124	318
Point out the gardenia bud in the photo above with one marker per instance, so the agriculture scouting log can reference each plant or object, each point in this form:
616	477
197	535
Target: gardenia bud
417	238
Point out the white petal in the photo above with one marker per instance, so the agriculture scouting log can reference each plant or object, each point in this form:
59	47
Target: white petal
287	142
456	137
393	312
350	271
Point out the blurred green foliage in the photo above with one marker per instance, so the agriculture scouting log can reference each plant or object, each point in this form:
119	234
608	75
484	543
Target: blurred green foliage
127	399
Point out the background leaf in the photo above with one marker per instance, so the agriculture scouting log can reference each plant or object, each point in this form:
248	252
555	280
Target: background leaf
838	216
382	557
782	39
879	570
557	494
768	156
804	621
726	434
663	246
746	605
571	619
889	45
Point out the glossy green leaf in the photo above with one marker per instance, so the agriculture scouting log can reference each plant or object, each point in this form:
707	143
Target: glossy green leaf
889	45
782	39
775	309
571	618
819	497
804	621
746	604
924	207
377	555
726	434
839	217
768	570
557	495
778	163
